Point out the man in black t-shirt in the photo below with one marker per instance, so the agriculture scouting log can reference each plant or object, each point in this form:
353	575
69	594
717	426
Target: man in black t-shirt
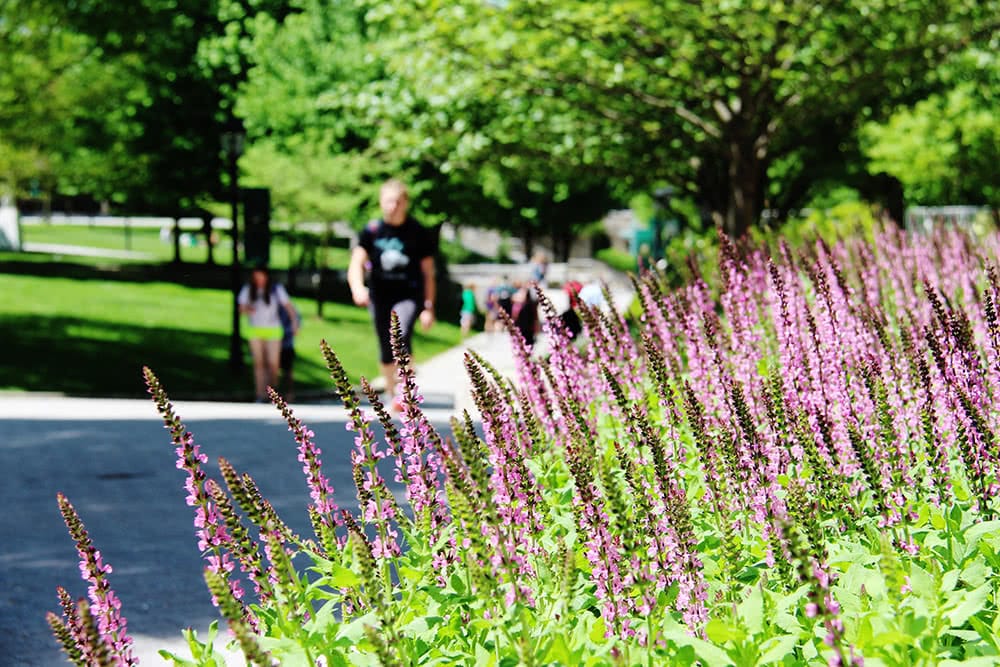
399	254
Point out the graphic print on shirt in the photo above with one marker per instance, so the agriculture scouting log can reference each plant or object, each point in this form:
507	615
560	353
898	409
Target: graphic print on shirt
391	255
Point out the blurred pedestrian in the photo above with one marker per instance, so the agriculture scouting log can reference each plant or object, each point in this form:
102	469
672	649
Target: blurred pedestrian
492	315
569	317
261	300
467	318
524	311
399	255
289	325
505	296
539	267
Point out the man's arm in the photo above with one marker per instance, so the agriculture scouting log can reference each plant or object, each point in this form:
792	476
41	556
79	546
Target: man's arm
430	283
356	276
430	291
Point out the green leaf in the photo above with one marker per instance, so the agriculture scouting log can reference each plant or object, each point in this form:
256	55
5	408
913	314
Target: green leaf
751	611
342	577
713	655
975	573
971	602
978	530
890	638
484	657
176	659
921	583
559	651
721	632
354	631
597	631
776	648
985	632
335	658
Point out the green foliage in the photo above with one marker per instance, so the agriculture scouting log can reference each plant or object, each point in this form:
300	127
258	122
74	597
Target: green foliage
620	260
532	117
705	97
945	149
310	182
842	221
66	110
306	142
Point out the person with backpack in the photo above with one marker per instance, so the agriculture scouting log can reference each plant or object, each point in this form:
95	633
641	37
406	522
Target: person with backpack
289	326
399	254
505	296
262	300
524	311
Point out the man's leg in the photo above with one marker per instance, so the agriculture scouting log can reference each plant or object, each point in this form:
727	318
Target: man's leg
406	312
389	373
381	320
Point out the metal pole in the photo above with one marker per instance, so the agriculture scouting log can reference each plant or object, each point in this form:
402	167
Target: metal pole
235	340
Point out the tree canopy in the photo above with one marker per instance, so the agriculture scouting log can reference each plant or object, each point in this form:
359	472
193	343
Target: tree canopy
530	115
66	107
707	96
945	149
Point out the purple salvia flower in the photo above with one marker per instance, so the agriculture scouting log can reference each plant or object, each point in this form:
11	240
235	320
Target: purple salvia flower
531	378
104	603
210	528
320	490
421	455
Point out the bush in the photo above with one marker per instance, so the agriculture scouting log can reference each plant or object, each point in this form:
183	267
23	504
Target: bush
619	260
802	472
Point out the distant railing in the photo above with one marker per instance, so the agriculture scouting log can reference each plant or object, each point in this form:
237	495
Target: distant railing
122	221
923	218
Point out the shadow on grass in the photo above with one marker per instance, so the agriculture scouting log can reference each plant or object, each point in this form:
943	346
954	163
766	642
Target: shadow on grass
189	275
83	357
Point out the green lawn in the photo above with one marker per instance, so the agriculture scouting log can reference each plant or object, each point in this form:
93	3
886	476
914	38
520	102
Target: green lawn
147	240
91	338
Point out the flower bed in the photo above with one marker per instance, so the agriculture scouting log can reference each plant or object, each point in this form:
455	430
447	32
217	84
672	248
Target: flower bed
801	469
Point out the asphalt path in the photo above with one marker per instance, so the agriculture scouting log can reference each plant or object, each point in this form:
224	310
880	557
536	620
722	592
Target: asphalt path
115	463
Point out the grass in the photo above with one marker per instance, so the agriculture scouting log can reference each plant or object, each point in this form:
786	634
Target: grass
147	240
90	337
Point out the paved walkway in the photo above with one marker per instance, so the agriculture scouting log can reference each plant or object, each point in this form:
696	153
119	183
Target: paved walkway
84	251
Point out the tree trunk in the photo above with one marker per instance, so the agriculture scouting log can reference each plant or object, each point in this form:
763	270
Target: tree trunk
745	191
177	240
206	226
528	239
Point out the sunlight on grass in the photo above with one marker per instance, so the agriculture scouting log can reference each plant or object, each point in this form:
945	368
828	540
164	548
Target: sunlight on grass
91	337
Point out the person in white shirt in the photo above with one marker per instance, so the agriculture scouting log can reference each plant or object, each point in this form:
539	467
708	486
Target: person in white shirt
260	300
